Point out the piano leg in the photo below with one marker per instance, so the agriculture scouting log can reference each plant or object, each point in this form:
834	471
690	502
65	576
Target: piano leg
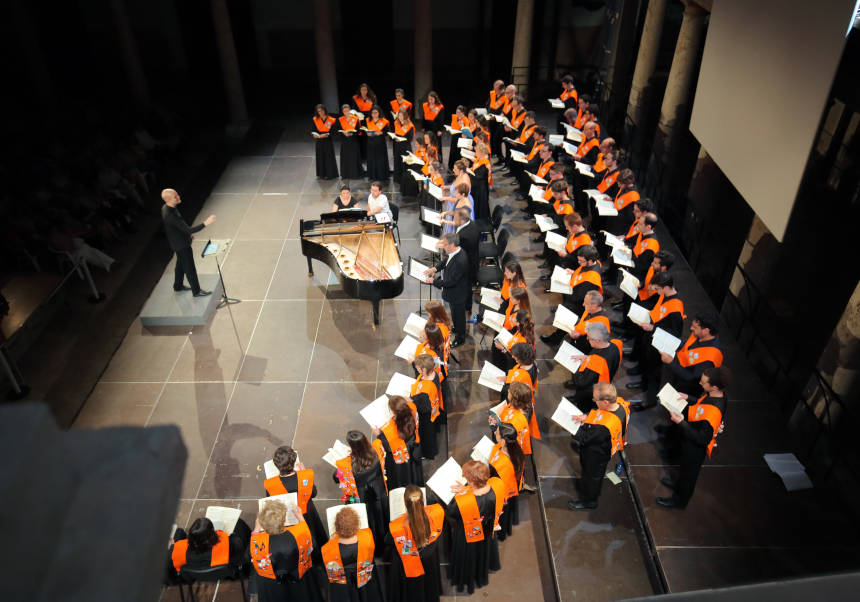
375	312
310	267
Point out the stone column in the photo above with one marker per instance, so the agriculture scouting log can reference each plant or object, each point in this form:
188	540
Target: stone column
423	15
522	46
646	59
130	55
685	63
229	63
325	55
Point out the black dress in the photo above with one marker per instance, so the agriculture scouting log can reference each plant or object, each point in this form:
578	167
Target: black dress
426	428
408	473
471	563
400	149
377	154
373	494
409	186
350	592
325	161
454	151
239	539
350	159
285	562
312	517
427	587
510	512
481	193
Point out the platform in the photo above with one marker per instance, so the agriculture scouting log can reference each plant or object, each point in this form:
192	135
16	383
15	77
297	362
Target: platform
166	307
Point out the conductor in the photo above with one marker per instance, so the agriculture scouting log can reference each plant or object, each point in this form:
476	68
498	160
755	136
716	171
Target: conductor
179	235
454	282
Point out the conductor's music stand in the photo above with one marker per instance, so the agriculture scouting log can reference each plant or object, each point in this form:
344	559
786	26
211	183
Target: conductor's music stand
215	249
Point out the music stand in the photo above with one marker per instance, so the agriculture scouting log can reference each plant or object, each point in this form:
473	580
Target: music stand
212	249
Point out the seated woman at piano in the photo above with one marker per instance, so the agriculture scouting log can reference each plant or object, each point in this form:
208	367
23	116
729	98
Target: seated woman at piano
345	200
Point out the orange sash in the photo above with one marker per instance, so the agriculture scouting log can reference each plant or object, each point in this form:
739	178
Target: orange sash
429	387
612	423
623	199
518	420
589	275
709	412
364	563
324	126
376	126
405	545
505	468
302	534
431	113
399	450
363	105
348	124
468	506
403	105
400	130
275	486
699	355
585	321
220	552
663	308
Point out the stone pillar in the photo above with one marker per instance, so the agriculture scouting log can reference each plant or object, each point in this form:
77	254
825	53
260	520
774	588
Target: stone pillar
522	46
646	59
229	63
130	55
685	63
423	15
28	43
325	55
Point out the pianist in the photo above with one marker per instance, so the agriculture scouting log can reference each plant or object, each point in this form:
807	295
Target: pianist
378	202
345	200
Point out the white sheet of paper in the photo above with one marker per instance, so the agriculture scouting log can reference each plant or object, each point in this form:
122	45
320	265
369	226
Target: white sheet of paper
504	121
416	270
464	143
613	478
417	175
494	320
605	207
290	500
396	137
563	356
358	114
396	505
796	481
535	178
481	111
555	139
414	325
414	159
670	399
560	275
464	152
406	348
338	450
491	294
571	133
563	416
482	450
786	462
518	156
444	478
382	218
629	284
555	103
569	148
594	193
639	314
491	302
223	518
536	193
504	337
620	257
434	190
270	469
400	384
584	169
565	319
613	241
429	243
376	413
545	223
451	130
331	514
431	217
664	342
490	377
556	242
315	135
558	287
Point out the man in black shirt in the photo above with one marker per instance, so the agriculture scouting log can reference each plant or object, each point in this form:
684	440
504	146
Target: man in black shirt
179	235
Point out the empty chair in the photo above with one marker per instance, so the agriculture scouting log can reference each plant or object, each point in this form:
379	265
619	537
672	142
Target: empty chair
490	249
490	227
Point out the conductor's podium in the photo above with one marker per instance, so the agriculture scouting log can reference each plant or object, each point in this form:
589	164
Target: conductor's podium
166	307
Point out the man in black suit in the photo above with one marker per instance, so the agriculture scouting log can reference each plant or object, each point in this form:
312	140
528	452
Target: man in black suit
468	233
452	276
179	235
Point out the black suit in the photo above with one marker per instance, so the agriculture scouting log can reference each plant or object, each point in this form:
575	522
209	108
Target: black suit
469	243
179	236
452	276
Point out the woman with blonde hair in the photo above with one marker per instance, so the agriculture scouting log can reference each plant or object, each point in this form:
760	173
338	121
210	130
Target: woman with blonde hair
415	575
348	561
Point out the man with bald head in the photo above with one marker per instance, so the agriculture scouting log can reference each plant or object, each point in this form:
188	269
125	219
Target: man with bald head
590	145
179	235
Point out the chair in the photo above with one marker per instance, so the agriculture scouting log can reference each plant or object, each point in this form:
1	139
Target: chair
211	573
492	275
496	249
489	228
395	214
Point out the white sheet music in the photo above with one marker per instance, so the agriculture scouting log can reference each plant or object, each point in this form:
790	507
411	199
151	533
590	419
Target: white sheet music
664	342
560	275
337	451
429	243
377	413
431	217
494	320
622	257
406	348
290	500
492	377
358	114
584	169
605	207
536	194
565	319
613	241
396	137
270	469
564	354
400	384
414	325
464	143
555	139
315	135
670	399
434	190
518	156
483	450
416	175
481	111
535	178
448	475
464	152
545	223
629	284
555	103
504	337
491	297
360	509
223	518
569	148
594	193
413	159
416	269
451	130
556	242
571	133
563	416
396	505
639	314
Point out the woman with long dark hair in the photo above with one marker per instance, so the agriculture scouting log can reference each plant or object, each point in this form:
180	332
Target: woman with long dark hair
325	161
433	112
350	158
508	462
403	128
519	299
513	278
202	546
361	479
400	440
363	101
377	145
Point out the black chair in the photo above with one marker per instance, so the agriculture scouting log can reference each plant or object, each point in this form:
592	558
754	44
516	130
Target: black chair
489	227
395	214
490	249
225	572
492	275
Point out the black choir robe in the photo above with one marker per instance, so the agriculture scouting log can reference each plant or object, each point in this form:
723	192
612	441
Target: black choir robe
427	587
408	473
350	592
471	563
285	562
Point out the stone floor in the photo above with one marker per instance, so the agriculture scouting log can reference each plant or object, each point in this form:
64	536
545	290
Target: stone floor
296	359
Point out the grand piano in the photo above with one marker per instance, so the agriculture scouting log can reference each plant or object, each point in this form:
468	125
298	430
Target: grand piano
359	250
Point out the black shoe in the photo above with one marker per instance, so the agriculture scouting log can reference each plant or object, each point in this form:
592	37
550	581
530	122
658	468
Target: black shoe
580	505
667	482
457	342
550	339
669	502
541	255
181	288
544	278
635	384
202	293
545	265
570	384
537	239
